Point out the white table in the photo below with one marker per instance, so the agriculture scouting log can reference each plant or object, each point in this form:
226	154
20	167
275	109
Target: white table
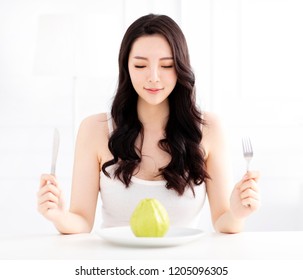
212	246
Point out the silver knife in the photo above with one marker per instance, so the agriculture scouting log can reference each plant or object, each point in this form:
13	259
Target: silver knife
56	142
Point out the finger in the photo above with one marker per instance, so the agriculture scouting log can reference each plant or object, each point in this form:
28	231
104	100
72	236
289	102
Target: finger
49	188
249	193
250	184
241	182
43	208
252	203
48	197
48	178
251	175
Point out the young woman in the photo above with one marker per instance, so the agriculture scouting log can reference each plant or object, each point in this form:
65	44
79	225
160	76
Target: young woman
155	143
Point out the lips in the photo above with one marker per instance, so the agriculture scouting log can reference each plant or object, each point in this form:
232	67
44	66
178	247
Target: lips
153	90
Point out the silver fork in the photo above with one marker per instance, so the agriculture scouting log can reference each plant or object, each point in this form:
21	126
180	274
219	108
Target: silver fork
247	151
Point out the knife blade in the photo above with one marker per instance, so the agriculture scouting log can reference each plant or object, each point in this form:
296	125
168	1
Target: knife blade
56	142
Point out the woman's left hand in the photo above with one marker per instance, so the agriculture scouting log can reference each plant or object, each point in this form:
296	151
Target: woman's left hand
245	197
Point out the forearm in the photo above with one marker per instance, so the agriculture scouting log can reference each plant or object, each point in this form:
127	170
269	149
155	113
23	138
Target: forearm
71	223
227	223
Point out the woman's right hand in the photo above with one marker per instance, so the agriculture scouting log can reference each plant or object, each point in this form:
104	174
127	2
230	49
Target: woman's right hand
49	198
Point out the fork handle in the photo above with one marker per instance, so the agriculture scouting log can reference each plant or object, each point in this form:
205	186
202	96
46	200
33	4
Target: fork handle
248	165
248	169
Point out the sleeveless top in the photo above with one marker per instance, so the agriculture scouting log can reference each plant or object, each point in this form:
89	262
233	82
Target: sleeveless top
118	202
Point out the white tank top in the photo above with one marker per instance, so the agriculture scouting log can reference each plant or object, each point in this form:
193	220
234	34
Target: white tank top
118	202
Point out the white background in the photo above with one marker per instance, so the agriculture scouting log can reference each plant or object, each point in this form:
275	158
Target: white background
58	64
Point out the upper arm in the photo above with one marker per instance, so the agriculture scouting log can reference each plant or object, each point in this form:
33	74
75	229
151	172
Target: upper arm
218	164
86	170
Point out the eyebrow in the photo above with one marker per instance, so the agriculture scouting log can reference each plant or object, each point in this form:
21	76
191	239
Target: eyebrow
162	58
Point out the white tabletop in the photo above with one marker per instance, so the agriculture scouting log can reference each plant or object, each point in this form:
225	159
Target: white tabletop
211	246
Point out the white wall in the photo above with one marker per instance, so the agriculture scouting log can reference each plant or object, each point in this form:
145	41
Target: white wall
257	88
248	63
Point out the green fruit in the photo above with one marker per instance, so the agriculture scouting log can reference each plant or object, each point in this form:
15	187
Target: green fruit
149	219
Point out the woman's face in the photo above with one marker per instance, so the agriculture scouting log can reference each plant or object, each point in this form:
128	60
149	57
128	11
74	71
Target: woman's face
151	68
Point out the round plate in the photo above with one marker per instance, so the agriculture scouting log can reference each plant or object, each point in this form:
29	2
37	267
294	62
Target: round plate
175	236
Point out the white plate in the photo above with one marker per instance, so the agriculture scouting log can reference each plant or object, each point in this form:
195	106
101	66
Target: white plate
174	237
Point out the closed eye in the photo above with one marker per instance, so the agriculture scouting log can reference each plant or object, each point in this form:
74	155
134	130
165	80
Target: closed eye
139	66
168	66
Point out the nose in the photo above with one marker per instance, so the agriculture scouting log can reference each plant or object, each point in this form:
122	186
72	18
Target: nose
153	75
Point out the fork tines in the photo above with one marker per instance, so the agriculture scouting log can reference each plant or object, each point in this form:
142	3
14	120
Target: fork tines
247	147
247	151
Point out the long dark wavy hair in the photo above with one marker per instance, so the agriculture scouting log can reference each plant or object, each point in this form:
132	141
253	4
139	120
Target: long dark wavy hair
183	133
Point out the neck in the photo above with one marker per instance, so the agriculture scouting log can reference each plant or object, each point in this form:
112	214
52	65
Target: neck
153	117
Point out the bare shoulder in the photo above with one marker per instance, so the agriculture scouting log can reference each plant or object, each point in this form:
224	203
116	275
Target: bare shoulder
213	123
211	118
94	121
94	129
213	131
